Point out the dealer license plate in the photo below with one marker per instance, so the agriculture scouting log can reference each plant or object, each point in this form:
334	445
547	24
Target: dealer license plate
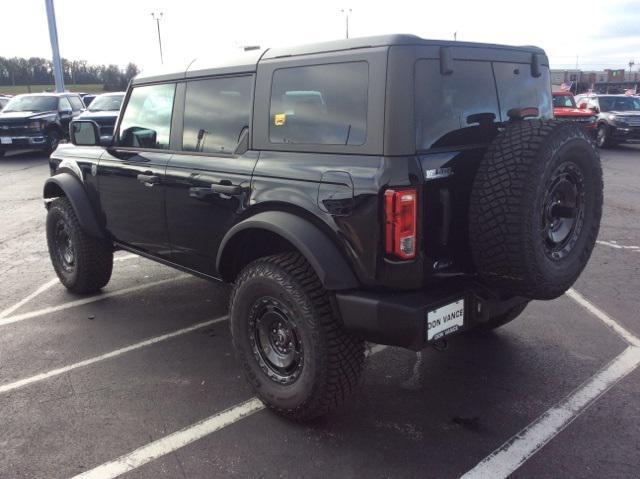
445	320
5	140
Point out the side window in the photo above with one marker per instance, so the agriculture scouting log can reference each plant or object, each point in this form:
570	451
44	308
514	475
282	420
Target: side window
453	109
63	104
76	103
146	121
215	113
320	104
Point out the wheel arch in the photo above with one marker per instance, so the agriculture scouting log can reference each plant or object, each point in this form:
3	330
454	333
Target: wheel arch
273	232
68	185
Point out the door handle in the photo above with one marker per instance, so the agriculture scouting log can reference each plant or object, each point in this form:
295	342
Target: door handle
148	180
226	189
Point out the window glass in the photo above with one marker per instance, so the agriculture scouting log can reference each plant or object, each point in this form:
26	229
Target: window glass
563	101
454	109
146	122
76	103
320	104
63	104
517	88
215	113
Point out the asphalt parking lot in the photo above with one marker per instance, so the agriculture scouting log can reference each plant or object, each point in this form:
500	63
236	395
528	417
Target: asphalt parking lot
141	380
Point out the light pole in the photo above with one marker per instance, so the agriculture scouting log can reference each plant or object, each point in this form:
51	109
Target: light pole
346	12
631	63
53	36
157	17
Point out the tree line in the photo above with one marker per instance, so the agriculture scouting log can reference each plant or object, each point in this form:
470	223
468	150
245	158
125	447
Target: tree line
39	71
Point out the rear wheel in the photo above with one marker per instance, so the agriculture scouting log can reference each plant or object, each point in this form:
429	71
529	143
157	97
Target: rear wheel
83	263
294	350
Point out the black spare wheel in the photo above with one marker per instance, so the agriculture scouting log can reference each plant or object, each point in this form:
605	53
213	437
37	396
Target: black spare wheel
83	263
294	350
535	208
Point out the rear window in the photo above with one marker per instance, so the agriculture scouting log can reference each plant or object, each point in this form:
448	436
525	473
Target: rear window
455	108
518	89
320	104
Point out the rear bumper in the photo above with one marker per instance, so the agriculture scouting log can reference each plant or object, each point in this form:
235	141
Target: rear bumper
400	318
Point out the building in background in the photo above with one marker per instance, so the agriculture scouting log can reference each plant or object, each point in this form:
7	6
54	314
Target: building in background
600	81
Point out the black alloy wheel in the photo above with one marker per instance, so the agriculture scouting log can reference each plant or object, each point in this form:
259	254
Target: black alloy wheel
563	210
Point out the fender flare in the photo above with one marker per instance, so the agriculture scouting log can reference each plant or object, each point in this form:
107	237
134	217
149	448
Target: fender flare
322	254
74	191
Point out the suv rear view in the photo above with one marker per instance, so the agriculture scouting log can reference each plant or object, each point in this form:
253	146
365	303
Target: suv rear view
350	191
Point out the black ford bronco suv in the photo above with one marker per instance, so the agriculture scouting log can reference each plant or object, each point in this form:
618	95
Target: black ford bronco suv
388	189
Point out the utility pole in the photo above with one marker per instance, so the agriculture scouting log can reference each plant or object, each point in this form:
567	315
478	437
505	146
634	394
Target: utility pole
455	36
157	17
53	36
347	13
631	63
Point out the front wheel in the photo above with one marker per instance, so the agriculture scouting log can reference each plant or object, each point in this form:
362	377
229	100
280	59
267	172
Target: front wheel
83	263
603	139
53	140
294	350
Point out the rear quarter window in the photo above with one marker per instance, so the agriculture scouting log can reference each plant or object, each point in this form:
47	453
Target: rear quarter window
320	104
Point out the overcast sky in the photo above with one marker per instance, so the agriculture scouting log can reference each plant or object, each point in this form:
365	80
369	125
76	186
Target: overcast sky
603	33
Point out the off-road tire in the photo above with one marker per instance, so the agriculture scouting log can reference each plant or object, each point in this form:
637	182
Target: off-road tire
500	320
508	205
92	257
332	359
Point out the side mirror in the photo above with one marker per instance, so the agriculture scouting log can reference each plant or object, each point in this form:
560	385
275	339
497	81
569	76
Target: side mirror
84	133
594	109
582	106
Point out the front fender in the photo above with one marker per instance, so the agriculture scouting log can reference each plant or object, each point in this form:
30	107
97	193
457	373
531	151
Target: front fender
66	184
321	253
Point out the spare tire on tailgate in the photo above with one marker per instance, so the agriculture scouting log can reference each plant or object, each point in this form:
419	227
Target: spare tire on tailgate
535	208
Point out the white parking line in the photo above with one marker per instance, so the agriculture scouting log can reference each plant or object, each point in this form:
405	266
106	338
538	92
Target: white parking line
6	312
22	302
604	317
172	442
90	299
615	245
118	352
181	438
517	450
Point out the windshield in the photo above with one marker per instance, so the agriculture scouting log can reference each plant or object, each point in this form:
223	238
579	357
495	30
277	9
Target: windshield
106	103
32	103
563	101
619	103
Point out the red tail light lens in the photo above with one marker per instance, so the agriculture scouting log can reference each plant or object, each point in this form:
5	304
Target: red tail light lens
400	210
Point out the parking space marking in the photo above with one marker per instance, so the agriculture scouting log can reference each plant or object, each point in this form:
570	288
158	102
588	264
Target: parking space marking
53	281
518	449
90	299
6	312
118	352
172	442
615	245
177	440
604	317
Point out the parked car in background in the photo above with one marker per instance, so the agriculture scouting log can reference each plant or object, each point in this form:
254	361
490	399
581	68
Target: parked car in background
37	121
104	111
565	108
618	117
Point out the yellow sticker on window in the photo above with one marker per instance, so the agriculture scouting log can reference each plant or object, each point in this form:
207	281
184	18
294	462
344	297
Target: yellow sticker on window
279	119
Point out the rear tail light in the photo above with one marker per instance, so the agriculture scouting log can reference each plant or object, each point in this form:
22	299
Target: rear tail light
400	211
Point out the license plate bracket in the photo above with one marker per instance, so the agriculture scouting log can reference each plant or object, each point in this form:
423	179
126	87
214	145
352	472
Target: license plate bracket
445	320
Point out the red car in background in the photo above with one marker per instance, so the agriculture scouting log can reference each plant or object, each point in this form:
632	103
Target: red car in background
564	108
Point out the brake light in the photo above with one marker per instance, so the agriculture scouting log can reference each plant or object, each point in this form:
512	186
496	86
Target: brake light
400	211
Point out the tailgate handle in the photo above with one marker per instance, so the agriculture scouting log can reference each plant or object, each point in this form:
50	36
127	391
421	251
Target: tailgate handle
148	179
226	189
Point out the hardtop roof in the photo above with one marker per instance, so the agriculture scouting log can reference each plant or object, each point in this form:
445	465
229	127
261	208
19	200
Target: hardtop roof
248	62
